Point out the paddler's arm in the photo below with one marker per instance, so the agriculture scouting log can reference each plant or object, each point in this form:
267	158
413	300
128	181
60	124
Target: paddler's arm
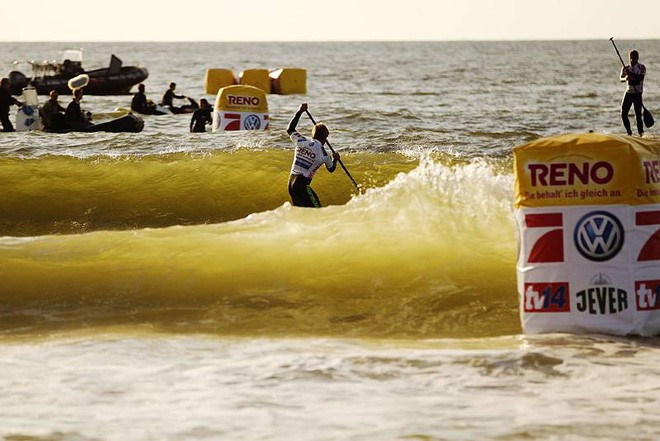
294	121
335	157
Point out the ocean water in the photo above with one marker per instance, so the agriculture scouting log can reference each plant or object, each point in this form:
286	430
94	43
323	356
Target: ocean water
159	285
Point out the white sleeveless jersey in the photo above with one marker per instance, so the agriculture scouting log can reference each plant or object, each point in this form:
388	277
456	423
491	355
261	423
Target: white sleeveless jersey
309	156
637	69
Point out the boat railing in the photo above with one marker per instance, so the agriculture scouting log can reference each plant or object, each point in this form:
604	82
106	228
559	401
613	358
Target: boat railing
44	68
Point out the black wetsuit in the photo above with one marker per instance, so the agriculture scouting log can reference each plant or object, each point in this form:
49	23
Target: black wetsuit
199	120
6	100
301	192
139	103
168	98
633	96
52	116
74	116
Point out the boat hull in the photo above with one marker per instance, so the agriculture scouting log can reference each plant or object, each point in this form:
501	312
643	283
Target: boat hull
101	82
128	123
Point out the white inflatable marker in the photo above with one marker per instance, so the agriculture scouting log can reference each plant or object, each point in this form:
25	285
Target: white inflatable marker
588	215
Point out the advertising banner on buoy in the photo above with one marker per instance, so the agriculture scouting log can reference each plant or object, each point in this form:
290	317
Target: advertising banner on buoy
27	117
588	217
240	108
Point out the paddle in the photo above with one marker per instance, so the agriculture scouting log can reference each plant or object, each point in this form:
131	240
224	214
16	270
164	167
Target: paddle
648	118
339	160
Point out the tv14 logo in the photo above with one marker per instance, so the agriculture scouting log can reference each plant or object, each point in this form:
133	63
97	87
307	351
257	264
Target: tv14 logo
647	293
547	297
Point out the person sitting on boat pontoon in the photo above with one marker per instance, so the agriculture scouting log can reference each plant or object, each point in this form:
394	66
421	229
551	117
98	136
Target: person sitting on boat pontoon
52	113
168	97
141	104
75	117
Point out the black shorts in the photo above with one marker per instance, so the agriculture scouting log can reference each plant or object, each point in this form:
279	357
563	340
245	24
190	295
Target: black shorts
301	193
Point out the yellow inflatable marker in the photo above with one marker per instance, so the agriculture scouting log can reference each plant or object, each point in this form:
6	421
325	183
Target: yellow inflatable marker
216	79
288	81
588	215
240	108
258	78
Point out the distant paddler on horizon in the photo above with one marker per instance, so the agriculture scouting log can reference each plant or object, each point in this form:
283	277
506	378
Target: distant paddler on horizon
309	156
633	74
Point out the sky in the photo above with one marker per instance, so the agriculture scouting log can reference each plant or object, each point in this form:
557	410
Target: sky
330	20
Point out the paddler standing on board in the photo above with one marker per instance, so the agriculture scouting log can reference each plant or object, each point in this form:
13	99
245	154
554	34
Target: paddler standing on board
308	157
633	74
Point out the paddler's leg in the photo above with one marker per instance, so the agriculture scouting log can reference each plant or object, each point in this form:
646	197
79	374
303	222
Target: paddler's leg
637	102
313	198
298	190
625	108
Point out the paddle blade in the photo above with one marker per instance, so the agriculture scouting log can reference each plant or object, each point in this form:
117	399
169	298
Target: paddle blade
648	118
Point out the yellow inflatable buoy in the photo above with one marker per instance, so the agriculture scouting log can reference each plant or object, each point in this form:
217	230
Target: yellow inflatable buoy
240	108
288	81
216	79
258	78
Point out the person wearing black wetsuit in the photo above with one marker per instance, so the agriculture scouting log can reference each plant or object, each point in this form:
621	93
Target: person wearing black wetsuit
140	103
201	117
52	113
6	101
308	157
75	118
168	97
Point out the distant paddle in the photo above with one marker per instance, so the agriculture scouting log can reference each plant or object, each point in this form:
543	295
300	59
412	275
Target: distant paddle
646	115
339	160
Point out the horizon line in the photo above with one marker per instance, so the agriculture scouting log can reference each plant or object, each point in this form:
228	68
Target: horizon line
421	40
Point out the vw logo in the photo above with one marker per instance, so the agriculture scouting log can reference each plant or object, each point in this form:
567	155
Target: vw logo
598	236
252	122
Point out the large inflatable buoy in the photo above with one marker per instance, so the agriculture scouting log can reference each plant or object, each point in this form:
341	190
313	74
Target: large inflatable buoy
258	78
288	81
588	215
216	79
240	108
79	81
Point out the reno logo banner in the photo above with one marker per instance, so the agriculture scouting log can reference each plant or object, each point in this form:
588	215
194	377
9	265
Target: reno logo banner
588	217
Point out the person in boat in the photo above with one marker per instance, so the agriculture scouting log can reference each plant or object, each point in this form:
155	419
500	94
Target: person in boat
169	95
71	68
52	113
633	74
74	115
308	157
201	117
6	101
141	104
